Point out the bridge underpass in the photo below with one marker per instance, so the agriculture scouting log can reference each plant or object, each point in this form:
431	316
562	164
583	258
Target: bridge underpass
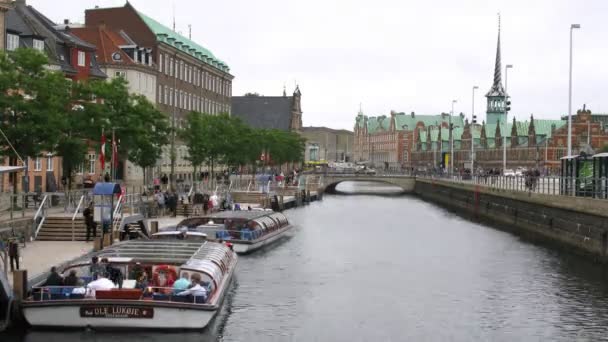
330	181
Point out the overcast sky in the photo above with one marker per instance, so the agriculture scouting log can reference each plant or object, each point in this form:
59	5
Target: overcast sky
393	54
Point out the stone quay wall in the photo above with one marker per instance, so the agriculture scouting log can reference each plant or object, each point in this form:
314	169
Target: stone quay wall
578	225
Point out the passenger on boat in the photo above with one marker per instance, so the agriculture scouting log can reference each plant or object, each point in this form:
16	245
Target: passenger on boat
72	279
143	281
181	284
196	290
54	279
96	269
115	275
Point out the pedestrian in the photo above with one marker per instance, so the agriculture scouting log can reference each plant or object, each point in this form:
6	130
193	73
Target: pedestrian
89	221
13	254
106	178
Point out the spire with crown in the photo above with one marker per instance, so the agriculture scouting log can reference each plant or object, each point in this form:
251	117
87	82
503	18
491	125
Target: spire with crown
496	96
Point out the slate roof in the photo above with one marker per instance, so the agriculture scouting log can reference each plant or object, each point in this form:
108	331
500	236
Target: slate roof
162	33
27	21
263	111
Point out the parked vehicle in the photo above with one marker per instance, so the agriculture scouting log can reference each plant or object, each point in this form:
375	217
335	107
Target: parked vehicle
509	173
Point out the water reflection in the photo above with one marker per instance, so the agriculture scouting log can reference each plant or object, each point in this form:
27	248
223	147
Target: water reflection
368	188
373	268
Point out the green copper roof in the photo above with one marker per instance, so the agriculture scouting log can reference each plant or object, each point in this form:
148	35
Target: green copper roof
178	41
543	127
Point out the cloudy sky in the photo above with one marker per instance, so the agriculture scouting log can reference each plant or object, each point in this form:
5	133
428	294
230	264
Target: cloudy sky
393	54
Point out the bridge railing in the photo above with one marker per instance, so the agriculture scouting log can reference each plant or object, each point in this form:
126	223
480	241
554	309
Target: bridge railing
545	185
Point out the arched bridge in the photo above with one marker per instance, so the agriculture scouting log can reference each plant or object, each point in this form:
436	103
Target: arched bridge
330	181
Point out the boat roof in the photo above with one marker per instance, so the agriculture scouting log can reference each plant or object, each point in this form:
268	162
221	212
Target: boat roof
240	214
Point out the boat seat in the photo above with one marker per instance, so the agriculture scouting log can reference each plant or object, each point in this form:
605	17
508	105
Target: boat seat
182	299
246	234
119	294
76	296
160	296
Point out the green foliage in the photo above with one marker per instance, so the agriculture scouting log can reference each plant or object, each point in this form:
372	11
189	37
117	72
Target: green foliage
604	148
227	140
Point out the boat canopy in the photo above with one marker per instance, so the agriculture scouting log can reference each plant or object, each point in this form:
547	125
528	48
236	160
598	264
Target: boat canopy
211	259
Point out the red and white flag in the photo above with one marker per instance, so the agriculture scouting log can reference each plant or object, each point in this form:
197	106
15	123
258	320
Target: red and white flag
102	154
114	152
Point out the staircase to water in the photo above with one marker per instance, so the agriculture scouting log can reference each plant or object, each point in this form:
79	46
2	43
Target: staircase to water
60	229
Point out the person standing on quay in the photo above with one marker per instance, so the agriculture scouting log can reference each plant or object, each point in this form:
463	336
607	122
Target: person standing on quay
13	254
89	222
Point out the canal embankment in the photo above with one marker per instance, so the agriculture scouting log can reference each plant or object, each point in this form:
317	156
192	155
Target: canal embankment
579	225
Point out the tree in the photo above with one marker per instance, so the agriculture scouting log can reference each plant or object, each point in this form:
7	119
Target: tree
33	104
139	127
196	140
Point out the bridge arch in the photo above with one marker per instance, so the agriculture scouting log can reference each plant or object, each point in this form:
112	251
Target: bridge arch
406	183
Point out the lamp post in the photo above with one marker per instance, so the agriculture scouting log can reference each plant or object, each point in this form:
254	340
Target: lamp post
572	27
473	121
504	137
452	141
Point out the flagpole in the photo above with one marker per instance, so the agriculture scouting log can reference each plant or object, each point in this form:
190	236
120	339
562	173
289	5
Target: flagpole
113	167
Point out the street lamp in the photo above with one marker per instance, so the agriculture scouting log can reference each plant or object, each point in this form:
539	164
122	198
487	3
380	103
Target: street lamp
473	122
572	27
452	141
506	110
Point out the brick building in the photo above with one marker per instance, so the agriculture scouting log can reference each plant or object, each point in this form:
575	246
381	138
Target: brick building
189	76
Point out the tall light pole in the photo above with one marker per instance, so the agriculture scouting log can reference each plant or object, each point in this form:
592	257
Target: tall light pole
452	141
473	122
506	110
572	27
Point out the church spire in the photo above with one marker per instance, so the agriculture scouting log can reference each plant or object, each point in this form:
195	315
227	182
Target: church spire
497	89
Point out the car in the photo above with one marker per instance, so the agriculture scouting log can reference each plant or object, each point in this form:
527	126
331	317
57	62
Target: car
519	173
508	173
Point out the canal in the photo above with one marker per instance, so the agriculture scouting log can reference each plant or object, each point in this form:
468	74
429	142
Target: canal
395	268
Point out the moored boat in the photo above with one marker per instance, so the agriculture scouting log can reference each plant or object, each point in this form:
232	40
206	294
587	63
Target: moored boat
146	297
247	231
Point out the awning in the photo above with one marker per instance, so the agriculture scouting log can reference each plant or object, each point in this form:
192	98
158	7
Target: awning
106	189
9	169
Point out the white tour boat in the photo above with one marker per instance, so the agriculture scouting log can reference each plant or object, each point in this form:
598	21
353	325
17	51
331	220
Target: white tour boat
147	298
245	230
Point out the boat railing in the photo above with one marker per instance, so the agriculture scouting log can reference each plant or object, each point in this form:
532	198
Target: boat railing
245	234
170	294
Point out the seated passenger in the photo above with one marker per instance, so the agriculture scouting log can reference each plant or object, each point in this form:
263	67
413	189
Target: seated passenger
96	269
115	275
72	279
196	290
54	279
181	284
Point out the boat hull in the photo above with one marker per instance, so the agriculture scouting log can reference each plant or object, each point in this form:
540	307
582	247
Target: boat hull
163	318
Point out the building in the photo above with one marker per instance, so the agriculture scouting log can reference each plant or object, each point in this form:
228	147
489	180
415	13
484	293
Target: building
388	141
189	76
75	58
119	56
533	143
326	144
5	5
270	112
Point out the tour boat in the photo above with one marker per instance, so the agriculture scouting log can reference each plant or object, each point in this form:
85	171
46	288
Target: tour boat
247	231
143	302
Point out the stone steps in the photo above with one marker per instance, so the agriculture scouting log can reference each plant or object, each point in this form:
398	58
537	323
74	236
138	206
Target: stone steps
60	229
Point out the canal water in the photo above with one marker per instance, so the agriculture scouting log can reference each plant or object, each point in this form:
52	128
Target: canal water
395	268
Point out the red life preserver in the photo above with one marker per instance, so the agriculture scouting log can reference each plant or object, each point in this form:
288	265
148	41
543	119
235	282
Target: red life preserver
169	271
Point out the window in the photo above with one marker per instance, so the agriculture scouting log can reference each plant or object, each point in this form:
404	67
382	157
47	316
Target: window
187	73
81	58
160	94
49	162
122	74
12	42
181	70
37	164
92	160
166	95
171	67
39	44
166	65
160	62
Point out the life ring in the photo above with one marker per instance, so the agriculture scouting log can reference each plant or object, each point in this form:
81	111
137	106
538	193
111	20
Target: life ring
170	272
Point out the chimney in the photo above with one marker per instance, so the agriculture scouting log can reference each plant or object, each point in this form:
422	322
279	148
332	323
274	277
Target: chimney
66	21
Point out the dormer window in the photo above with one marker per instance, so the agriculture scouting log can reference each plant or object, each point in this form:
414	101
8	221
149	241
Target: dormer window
81	58
12	42
39	44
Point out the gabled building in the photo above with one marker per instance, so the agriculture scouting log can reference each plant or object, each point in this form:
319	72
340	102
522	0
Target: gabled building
270	112
28	28
189	77
119	56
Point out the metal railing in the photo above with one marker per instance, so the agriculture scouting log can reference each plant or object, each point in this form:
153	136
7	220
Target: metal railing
40	213
76	214
117	214
545	185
